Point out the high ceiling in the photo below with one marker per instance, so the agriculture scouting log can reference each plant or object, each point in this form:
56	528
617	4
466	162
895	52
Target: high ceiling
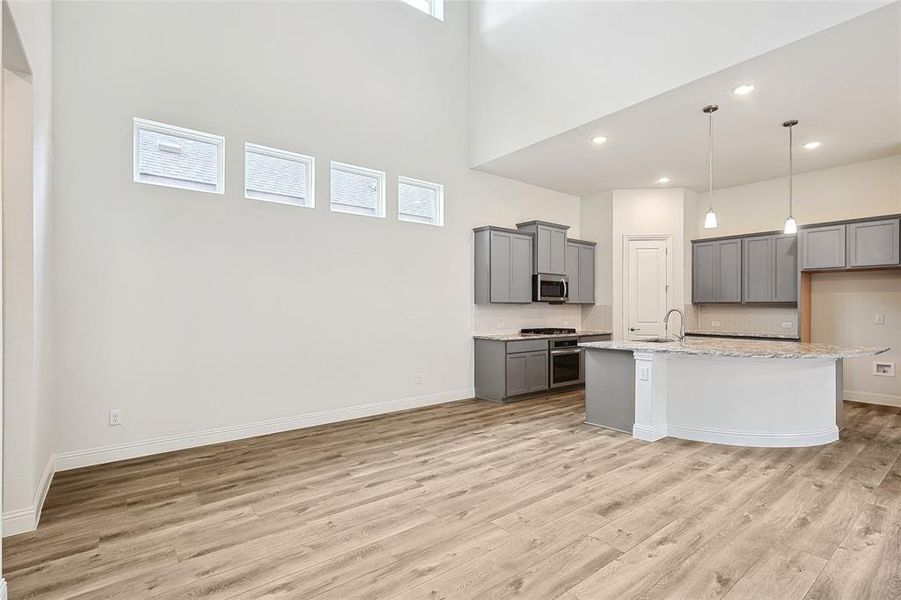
842	84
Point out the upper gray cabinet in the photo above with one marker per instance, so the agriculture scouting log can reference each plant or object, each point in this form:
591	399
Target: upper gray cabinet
550	246
874	243
703	272
580	270
729	270
852	245
785	285
503	266
716	271
770	268
823	247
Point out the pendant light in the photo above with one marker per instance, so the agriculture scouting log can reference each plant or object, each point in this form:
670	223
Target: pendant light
710	217
791	226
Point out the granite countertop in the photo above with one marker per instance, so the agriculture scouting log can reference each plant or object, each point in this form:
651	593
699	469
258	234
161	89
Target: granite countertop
735	334
516	337
742	348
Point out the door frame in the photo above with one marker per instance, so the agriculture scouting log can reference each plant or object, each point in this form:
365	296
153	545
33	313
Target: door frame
643	237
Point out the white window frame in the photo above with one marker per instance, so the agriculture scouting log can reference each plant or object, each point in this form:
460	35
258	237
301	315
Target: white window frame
191	134
435	7
439	192
309	161
357	170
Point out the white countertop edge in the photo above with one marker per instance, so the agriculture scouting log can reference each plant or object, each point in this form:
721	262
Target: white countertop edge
721	349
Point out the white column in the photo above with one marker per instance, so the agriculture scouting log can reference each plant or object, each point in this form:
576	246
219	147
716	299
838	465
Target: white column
650	395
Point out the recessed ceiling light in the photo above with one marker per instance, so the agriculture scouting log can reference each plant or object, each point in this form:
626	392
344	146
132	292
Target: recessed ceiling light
598	140
663	179
812	145
745	88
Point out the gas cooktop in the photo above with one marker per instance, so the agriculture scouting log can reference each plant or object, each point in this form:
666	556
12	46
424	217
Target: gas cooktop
548	330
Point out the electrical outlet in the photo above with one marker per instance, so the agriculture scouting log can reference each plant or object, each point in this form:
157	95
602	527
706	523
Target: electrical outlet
885	369
115	417
644	373
787	325
418	378
499	325
714	323
879	319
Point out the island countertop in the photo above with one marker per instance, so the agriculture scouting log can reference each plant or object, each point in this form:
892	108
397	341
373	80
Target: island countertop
734	348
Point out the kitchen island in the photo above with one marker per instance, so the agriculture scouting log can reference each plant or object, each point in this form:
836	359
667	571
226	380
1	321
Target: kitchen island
727	391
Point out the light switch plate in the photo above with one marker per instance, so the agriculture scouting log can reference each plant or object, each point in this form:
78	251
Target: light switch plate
879	319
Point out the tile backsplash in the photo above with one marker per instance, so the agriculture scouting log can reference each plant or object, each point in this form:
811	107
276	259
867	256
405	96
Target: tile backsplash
494	318
740	318
597	317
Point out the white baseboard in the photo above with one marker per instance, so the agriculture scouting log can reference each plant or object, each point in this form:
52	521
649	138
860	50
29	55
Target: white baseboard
26	519
795	439
872	398
105	454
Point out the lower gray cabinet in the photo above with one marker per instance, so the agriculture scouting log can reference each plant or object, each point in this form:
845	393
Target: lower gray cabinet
526	373
874	243
823	247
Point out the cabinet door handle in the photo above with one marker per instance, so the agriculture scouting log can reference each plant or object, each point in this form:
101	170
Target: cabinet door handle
634	329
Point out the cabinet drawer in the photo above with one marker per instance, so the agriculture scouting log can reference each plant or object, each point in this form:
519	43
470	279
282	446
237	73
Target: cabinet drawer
526	346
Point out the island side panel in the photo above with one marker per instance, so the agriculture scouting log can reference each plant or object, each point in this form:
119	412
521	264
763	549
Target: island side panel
610	389
753	402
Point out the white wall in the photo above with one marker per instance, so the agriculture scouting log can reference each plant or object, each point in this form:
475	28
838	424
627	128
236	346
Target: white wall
28	352
192	311
648	212
596	213
542	68
857	190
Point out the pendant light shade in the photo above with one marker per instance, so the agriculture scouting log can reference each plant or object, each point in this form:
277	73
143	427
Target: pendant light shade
710	218
791	226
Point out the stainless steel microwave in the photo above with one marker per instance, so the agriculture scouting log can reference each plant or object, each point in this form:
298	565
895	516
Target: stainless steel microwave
547	287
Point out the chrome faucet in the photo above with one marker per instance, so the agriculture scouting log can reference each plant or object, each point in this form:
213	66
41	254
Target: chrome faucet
681	335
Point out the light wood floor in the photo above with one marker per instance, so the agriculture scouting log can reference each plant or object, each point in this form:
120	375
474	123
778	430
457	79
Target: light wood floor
477	500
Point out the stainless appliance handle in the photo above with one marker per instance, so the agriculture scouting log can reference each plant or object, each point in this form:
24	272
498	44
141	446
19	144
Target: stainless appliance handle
562	352
565	290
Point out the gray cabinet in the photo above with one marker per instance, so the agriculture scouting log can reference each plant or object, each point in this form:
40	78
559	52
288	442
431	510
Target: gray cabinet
504	370
716	271
874	243
581	261
703	272
549	249
823	247
770	268
785	280
728	271
503	266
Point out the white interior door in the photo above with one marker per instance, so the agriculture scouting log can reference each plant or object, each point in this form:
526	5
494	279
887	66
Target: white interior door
647	284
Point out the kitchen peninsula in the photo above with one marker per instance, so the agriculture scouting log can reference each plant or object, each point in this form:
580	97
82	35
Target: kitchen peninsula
727	391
